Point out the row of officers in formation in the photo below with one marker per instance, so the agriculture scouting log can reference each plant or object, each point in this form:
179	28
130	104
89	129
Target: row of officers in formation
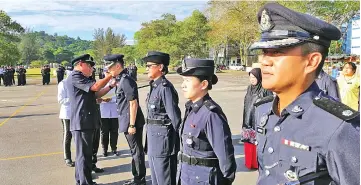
7	75
303	136
8	79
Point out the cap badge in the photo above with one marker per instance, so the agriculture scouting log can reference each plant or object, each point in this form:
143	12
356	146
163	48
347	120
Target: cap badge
266	23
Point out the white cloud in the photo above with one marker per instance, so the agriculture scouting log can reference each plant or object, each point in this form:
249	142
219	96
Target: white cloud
70	15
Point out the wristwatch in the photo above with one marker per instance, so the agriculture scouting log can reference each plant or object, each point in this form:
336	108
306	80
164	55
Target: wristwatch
131	126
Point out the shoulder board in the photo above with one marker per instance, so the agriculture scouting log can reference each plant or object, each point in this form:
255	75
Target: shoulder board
336	108
210	105
164	82
264	100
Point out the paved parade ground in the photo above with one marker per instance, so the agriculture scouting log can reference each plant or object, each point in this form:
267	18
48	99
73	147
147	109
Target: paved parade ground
31	134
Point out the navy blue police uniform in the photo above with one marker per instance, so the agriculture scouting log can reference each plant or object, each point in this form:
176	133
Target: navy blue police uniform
126	91
327	84
315	140
207	155
83	120
163	121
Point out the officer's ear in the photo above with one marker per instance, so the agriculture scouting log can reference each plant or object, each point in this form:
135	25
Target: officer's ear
313	60
204	84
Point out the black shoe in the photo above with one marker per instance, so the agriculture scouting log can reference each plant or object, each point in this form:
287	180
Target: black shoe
105	154
132	182
115	153
69	163
97	170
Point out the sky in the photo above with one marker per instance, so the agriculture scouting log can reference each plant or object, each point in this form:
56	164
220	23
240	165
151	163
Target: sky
80	18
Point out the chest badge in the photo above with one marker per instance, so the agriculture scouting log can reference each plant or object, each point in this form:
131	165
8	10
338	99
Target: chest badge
152	106
189	141
296	145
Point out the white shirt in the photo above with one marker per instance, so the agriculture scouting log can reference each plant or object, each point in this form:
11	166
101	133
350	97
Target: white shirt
63	100
109	109
1	71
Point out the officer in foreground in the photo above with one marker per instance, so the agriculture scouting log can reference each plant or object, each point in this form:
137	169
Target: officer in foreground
163	120
84	117
303	135
207	154
130	116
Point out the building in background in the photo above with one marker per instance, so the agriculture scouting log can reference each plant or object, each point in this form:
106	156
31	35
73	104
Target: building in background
351	36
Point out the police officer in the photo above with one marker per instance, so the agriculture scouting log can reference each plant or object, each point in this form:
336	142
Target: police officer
21	75
64	115
163	120
12	70
130	116
303	135
327	84
109	123
60	73
45	72
83	118
135	73
207	154
8	78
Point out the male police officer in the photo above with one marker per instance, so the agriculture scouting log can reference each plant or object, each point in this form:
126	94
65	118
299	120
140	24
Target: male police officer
163	120
21	75
327	84
60	73
130	116
303	135
83	119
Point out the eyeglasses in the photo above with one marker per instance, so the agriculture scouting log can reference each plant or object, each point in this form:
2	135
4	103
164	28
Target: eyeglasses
150	65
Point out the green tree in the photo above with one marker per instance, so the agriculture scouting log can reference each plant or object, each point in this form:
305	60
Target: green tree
104	41
9	36
29	47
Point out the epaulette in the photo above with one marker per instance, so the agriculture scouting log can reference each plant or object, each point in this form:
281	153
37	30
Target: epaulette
210	105
164	82
264	100
336	108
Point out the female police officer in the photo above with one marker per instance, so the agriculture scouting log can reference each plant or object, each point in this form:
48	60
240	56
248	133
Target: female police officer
163	121
207	154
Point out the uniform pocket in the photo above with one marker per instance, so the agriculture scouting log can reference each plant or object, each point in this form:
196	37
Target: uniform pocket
158	140
197	175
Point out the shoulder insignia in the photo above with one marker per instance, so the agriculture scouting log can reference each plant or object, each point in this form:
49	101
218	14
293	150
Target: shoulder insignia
336	108
164	82
210	105
264	100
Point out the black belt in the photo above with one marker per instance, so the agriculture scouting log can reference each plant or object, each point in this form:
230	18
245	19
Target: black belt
158	121
308	178
209	162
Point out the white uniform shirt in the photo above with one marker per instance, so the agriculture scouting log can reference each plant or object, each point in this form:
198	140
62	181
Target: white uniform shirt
63	100
1	71
109	109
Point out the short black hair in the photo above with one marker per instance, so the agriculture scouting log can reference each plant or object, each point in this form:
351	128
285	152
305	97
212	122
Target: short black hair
353	65
310	47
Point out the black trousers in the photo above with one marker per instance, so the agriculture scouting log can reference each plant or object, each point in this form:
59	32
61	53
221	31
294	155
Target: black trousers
60	78
137	151
21	79
83	160
46	79
96	140
66	138
109	130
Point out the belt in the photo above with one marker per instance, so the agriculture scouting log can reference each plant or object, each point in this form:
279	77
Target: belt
158	121
208	162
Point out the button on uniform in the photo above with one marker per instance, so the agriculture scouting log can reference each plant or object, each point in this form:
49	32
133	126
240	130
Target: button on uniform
294	159
267	172
270	150
277	129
